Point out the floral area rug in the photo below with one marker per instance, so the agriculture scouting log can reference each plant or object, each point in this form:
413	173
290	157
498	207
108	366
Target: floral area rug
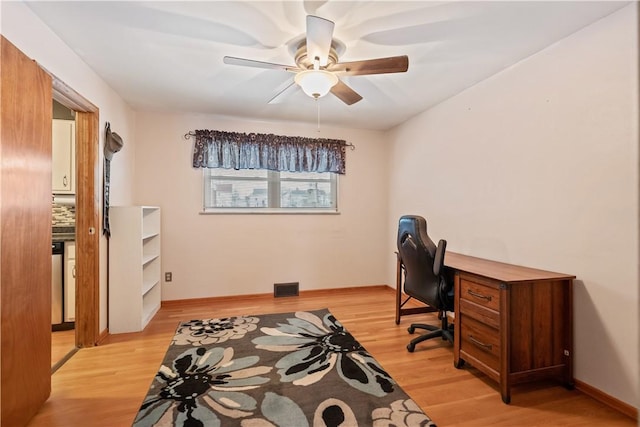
293	369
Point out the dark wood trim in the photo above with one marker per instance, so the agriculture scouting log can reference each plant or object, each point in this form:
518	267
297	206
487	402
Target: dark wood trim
87	230
612	402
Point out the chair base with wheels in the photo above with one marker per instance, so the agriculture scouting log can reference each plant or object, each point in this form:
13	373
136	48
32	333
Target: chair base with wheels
445	331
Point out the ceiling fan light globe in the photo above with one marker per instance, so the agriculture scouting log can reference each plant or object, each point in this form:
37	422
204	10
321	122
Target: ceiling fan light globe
316	83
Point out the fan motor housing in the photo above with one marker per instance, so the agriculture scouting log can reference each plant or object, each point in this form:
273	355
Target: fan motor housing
306	63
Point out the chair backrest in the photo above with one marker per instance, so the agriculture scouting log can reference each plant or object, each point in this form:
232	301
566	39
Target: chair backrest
423	263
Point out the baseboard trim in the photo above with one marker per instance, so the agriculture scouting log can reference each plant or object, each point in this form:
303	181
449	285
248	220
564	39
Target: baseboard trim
103	336
312	292
608	400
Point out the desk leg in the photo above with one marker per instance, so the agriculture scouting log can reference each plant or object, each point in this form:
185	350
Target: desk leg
567	332
506	395
505	347
458	362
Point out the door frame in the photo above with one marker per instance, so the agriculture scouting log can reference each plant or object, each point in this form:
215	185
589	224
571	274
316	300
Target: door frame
88	196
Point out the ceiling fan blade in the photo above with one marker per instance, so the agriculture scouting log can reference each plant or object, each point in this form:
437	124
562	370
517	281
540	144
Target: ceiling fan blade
311	7
345	93
278	97
231	60
392	64
319	38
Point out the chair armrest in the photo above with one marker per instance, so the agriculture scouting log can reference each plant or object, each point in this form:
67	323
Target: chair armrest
438	262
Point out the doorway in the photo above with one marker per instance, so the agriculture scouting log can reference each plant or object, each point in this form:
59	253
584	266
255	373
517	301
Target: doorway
87	215
63	342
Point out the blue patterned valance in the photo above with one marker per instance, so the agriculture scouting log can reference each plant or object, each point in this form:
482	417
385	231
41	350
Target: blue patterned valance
233	150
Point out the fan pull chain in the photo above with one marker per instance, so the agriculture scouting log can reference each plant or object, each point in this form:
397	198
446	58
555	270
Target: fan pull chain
318	105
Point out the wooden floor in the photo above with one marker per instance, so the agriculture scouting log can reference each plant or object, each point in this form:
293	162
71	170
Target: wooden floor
104	385
62	342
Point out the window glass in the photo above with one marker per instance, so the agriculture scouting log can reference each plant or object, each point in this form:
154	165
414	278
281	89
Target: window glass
261	190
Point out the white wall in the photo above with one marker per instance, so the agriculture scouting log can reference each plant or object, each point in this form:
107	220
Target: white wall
538	166
216	255
27	32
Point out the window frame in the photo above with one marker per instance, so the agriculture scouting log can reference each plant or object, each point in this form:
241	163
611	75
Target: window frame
273	180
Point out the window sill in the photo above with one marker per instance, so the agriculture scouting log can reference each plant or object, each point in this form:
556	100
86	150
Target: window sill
269	211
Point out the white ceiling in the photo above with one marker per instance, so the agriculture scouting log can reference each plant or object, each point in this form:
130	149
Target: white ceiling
167	56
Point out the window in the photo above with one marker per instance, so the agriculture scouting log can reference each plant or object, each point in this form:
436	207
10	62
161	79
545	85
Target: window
259	190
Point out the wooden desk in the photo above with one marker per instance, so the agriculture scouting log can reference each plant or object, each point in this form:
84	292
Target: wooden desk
513	323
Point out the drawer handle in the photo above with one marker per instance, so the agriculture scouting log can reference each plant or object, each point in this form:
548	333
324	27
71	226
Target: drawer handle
480	343
474	294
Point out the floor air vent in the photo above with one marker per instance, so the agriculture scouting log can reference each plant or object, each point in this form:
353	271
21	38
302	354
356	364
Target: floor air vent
286	289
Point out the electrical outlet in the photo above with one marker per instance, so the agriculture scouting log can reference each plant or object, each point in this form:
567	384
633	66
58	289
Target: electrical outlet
168	276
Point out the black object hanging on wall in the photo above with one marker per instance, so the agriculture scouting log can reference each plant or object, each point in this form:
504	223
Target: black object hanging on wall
112	144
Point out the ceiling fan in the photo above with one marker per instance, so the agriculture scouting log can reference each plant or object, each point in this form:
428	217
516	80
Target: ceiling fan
317	70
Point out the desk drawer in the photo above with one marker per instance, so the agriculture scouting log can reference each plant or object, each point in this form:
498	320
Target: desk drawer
481	314
480	294
480	341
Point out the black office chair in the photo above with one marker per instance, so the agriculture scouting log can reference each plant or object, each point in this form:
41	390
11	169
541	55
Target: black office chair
425	278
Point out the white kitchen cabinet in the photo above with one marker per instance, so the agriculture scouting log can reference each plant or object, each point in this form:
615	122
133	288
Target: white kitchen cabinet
63	156
134	267
69	281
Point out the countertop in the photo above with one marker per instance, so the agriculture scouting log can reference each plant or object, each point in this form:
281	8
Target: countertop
63	233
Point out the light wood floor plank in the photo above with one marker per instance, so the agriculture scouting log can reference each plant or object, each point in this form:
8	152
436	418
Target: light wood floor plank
104	385
62	342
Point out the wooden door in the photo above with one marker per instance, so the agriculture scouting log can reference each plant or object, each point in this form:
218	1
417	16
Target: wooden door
87	230
25	236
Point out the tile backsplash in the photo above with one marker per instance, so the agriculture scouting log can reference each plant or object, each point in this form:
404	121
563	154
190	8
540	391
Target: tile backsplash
63	215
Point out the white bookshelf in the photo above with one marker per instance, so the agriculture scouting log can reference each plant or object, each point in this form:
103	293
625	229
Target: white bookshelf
134	267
